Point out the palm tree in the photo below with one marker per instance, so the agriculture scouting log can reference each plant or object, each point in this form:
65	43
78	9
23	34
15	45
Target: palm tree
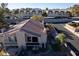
60	42
4	5
60	39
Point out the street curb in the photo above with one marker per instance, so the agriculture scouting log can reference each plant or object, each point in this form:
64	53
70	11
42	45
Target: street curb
71	51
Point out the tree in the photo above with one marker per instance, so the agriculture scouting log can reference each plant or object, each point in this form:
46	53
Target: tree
7	10
1	14
16	11
69	13
46	8
37	18
75	10
3	24
60	39
4	5
44	14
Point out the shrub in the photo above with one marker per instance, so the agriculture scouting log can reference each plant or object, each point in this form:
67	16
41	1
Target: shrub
60	39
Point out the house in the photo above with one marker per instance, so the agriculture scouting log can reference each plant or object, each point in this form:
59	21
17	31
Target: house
36	11
50	13
27	13
73	27
10	19
58	13
27	34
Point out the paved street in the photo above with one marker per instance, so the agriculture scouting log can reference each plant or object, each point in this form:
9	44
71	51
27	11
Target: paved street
72	39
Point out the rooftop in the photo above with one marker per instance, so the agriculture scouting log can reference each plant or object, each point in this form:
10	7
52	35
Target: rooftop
29	26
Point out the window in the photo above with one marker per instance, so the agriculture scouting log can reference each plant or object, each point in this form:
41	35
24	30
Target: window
9	39
28	39
12	39
34	39
56	12
15	39
42	45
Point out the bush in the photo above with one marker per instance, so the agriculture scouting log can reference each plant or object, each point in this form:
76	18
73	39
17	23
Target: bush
37	18
56	47
60	39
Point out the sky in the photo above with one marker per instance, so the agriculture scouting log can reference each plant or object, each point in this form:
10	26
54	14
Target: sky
40	5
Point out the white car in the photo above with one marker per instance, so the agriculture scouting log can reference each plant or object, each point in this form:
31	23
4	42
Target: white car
75	21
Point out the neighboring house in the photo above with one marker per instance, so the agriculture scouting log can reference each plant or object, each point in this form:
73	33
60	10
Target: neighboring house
58	12
51	12
40	12
73	27
27	34
11	19
31	12
36	11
